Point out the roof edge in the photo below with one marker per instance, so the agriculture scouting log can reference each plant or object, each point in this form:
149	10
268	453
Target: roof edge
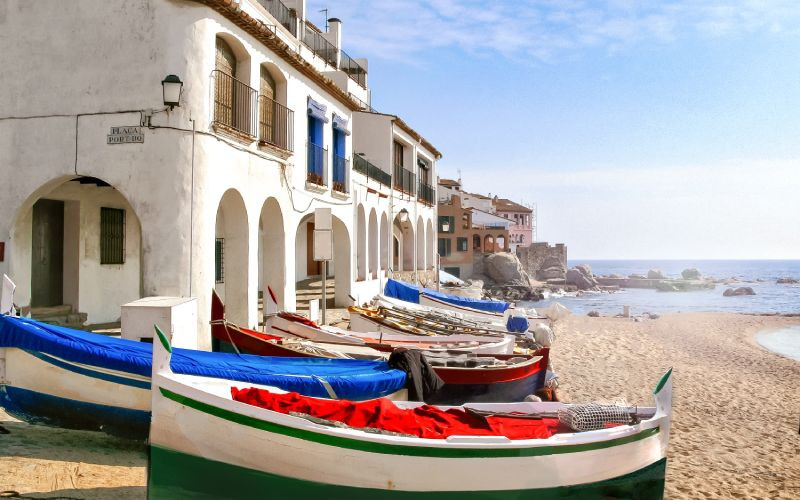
262	33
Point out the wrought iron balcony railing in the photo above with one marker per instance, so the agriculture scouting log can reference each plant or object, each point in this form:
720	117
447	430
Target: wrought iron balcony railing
340	177
284	15
275	124
426	193
371	171
314	40
354	70
404	180
235	104
317	172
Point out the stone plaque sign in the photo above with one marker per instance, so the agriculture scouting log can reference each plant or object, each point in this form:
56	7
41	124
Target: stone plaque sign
125	135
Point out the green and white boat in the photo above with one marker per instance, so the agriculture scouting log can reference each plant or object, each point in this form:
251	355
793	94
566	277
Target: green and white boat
206	444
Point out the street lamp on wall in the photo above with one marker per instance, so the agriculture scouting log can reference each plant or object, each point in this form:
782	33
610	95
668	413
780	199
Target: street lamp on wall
172	87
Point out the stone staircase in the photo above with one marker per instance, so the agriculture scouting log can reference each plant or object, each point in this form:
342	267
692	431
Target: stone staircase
58	315
310	289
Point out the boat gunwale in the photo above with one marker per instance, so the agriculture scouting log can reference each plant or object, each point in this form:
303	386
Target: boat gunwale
602	438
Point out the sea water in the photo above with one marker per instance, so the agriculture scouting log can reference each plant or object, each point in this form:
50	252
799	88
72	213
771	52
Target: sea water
785	342
770	297
760	275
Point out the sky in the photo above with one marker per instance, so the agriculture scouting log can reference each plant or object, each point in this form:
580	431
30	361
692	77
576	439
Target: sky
640	129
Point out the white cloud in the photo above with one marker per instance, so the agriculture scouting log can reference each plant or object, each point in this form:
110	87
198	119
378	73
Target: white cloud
544	29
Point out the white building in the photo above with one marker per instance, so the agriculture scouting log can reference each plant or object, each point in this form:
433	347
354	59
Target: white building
109	196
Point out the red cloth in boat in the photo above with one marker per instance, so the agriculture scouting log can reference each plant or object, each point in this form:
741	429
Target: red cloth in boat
425	421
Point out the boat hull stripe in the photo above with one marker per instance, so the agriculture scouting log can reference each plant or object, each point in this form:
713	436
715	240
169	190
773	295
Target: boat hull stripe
176	474
142	384
392	449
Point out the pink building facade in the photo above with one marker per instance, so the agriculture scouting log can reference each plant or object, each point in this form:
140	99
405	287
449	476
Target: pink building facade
520	232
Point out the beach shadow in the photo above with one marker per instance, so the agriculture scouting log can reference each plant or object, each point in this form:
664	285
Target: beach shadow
118	493
52	443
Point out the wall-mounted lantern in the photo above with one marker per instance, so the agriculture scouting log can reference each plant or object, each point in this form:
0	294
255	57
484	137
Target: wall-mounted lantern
172	87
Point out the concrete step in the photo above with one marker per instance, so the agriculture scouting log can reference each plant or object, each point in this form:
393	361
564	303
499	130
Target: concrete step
43	312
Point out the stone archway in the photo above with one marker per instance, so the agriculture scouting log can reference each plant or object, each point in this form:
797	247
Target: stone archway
421	261
231	257
373	245
361	235
75	252
272	251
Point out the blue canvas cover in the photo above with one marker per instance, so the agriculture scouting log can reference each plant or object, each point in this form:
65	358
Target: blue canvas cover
410	293
495	306
350	379
517	324
402	291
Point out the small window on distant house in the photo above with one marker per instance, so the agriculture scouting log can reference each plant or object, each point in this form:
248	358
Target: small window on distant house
444	247
522	238
447	224
219	260
461	244
112	236
465	221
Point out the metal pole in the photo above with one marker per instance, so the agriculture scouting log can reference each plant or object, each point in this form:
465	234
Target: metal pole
324	289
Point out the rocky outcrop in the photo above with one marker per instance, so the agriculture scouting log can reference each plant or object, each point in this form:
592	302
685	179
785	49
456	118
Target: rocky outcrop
655	274
787	281
552	268
582	277
504	268
691	274
742	290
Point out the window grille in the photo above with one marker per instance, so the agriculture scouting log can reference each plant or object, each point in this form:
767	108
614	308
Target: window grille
112	236
219	260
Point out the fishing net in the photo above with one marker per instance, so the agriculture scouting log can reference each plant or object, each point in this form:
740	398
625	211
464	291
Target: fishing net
594	416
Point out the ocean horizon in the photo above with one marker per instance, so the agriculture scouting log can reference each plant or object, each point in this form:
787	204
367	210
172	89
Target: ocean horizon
761	275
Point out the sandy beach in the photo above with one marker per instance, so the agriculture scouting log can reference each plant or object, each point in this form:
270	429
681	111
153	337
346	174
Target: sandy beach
734	434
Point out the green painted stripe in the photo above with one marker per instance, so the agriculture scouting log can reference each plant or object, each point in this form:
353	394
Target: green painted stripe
393	449
663	381
163	338
175	474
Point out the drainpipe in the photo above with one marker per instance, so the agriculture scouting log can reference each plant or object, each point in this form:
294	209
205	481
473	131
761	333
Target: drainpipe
390	248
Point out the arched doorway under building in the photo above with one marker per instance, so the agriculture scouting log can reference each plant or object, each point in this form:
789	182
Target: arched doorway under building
308	272
76	252
231	257
272	252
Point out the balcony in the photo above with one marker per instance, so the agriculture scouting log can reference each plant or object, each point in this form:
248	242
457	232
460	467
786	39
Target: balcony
339	59
404	180
353	69
321	47
275	124
284	15
371	171
235	105
340	177
317	172
426	193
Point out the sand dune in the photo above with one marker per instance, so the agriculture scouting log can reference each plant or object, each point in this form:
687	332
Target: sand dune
735	430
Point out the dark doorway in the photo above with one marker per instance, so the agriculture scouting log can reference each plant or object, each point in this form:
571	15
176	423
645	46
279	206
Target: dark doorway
47	255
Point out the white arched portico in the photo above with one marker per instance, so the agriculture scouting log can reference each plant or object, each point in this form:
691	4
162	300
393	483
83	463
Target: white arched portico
361	235
430	238
420	244
403	230
231	257
384	242
272	252
373	244
76	246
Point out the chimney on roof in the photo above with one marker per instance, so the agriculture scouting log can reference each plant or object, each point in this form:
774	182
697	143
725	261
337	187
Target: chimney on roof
335	32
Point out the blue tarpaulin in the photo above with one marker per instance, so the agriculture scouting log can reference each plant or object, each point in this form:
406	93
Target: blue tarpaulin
410	293
494	306
517	324
350	379
402	291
